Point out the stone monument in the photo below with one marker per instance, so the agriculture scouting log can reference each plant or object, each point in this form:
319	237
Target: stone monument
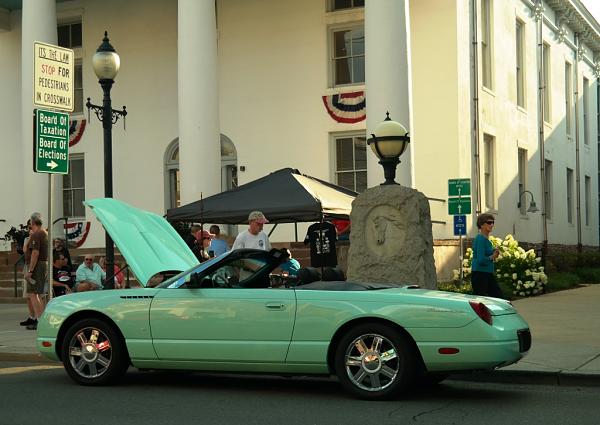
391	239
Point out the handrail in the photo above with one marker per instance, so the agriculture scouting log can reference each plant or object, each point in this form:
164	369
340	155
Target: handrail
20	260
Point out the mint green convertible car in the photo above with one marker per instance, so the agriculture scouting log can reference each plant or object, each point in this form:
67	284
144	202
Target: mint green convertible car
224	315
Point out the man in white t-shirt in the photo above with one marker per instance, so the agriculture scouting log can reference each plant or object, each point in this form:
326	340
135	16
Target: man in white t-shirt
254	237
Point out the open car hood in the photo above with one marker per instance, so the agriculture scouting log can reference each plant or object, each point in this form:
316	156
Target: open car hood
147	241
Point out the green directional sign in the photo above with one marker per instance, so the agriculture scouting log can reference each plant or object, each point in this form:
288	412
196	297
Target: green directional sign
459	206
51	142
459	187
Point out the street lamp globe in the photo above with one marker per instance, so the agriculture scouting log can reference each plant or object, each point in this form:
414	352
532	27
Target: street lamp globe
106	61
388	142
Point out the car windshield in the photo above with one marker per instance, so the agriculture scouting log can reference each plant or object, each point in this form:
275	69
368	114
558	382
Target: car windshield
177	281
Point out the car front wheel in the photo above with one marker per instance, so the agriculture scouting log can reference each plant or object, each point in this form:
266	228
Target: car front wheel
375	362
93	353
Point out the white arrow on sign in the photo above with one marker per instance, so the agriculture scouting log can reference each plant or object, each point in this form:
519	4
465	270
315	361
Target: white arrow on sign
52	165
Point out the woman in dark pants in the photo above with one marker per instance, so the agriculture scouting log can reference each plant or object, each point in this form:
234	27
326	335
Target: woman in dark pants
484	255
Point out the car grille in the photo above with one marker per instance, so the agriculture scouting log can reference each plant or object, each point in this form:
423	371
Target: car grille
524	340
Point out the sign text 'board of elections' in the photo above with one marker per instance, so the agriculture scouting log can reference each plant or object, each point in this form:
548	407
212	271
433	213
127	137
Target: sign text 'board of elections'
51	146
53	76
460	225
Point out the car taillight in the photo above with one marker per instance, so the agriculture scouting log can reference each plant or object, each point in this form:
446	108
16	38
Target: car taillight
482	311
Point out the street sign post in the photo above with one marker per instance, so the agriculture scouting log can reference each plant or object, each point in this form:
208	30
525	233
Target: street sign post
459	204
53	76
51	142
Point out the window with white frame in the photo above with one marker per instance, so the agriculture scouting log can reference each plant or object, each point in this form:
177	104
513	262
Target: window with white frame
348	55
568	99
488	171
586	111
486	43
335	5
548	188
74	187
351	161
522	170
70	36
588	199
547	82
520	60
569	196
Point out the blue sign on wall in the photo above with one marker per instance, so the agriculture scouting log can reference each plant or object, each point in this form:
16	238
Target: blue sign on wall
460	225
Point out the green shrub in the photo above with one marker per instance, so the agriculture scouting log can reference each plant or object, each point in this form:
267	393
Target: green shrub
465	288
588	274
562	280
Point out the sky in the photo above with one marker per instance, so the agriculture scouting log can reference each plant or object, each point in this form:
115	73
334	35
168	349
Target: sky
594	7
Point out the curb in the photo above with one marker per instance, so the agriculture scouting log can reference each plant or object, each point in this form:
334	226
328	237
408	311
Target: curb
533	377
26	358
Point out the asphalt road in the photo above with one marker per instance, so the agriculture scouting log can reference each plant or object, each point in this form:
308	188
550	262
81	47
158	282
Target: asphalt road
43	394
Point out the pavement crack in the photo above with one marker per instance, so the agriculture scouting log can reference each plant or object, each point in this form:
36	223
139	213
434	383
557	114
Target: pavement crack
586	362
414	418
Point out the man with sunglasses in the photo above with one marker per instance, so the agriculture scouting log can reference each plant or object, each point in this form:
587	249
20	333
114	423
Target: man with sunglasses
89	275
482	267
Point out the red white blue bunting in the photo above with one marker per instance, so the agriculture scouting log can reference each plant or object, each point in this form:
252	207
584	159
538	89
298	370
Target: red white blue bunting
76	131
77	232
347	107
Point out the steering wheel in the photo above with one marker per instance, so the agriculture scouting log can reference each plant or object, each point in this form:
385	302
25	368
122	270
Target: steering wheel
221	281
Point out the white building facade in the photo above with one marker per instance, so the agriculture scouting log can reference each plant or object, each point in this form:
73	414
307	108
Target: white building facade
220	93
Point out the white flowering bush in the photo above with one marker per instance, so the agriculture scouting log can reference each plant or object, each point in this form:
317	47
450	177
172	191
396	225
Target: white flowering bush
515	268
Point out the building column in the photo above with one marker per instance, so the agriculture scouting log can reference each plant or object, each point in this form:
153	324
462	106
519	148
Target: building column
198	101
388	79
38	24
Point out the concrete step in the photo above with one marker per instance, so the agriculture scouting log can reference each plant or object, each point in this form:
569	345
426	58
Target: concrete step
10	292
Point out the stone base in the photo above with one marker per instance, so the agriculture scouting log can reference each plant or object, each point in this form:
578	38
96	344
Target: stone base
391	239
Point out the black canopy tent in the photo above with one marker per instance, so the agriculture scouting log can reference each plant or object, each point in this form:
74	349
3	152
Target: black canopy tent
284	196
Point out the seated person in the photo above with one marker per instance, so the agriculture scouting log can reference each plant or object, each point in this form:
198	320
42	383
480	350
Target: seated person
289	265
118	276
89	275
61	275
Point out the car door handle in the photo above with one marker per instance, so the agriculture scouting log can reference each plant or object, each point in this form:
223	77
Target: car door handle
275	306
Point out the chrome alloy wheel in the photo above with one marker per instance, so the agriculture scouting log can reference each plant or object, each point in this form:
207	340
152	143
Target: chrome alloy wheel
90	352
372	362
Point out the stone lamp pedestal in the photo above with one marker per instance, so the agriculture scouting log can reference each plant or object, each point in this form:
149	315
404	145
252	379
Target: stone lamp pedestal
391	239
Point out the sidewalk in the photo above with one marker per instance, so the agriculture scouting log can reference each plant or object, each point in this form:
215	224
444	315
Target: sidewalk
565	328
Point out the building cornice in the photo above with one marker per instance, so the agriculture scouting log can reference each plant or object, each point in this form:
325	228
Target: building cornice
574	14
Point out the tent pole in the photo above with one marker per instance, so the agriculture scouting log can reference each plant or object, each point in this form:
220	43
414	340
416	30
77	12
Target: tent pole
321	241
273	229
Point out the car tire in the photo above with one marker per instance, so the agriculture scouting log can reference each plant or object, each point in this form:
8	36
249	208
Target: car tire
375	362
93	353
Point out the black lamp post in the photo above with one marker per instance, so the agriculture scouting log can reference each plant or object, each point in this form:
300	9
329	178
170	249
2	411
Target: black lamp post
106	64
388	143
532	206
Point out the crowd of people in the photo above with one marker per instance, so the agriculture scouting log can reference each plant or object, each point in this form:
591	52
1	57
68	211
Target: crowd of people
205	244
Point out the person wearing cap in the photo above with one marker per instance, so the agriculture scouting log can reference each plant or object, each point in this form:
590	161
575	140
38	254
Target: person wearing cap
203	238
37	274
254	237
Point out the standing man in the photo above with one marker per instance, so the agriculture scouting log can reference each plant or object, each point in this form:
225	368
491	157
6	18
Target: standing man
254	237
217	245
37	274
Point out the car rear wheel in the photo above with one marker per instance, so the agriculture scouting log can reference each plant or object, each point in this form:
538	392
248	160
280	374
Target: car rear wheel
375	362
93	353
